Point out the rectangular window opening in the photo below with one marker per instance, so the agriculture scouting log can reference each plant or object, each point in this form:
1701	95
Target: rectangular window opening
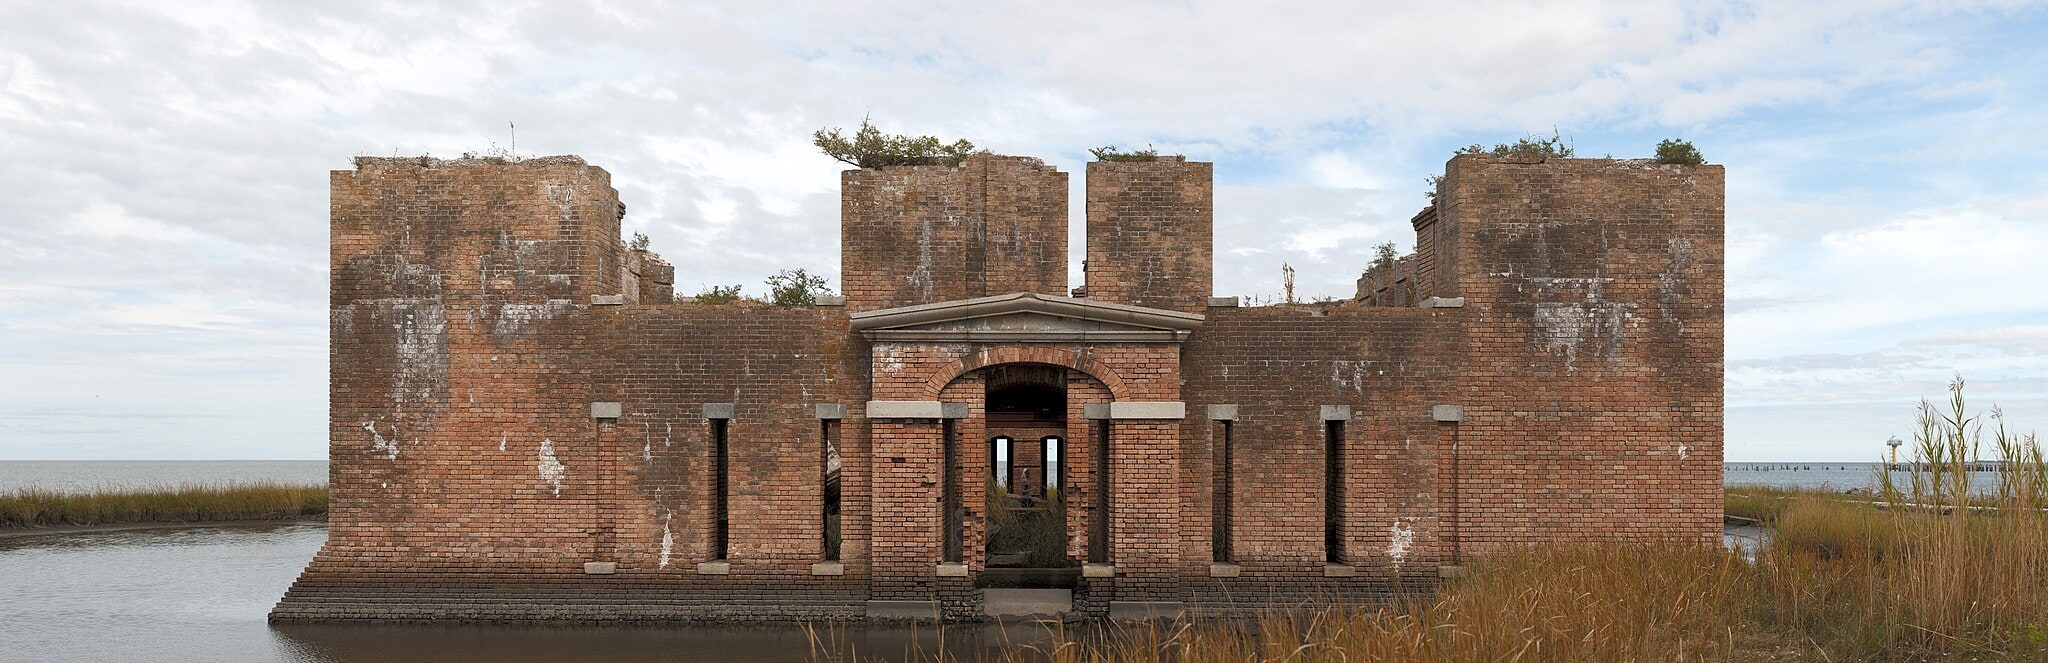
1333	491
949	487
720	485
830	472
999	454
1098	525
1051	448
1220	546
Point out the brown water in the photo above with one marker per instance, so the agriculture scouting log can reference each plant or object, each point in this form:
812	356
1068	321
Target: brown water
201	594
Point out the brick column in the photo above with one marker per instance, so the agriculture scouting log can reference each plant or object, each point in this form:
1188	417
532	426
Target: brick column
1144	508
905	541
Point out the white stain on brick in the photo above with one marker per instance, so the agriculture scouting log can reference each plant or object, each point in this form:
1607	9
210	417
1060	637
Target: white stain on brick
668	540
422	327
502	437
1353	378
921	278
1668	295
1591	325
1681	451
378	443
551	469
514	318
1402	538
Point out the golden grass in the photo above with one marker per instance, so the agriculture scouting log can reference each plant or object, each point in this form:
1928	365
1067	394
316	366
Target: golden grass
1909	574
186	503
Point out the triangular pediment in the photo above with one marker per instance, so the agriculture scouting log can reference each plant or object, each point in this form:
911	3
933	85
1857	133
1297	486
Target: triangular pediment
1026	317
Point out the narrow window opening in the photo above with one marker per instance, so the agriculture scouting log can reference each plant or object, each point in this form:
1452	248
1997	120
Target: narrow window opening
720	485
831	488
1098	527
1333	491
1052	447
949	486
999	450
1221	453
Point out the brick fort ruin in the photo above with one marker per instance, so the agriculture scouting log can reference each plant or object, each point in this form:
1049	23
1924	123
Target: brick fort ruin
525	425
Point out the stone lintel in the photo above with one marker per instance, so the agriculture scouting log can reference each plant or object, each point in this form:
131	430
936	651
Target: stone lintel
717	410
828	569
1336	413
1443	302
1222	570
1450	572
916	410
716	567
1222	302
1148	410
829	300
1098	570
607	300
951	570
600	568
903	610
1339	571
1227	412
1095	411
1447	413
831	410
606	409
1129	610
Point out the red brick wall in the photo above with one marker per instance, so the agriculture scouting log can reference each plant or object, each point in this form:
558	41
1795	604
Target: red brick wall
1279	365
775	365
1151	233
1593	296
466	353
454	283
993	225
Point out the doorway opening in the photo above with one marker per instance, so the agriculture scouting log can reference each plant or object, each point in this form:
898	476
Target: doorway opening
1027	437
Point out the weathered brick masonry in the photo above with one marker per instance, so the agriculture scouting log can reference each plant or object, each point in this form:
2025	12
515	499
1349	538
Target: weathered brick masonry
525	426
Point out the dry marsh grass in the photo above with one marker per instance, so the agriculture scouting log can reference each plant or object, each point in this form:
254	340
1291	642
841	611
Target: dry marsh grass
35	507
1912	573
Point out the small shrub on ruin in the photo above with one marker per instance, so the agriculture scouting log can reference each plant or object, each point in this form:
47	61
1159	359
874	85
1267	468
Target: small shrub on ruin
1383	255
1555	145
640	242
718	294
1673	150
868	147
1111	153
796	287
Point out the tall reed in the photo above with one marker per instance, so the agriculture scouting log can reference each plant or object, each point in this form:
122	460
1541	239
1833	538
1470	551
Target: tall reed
1934	569
38	507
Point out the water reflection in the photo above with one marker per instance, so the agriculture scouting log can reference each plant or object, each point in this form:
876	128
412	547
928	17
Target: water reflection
201	594
738	644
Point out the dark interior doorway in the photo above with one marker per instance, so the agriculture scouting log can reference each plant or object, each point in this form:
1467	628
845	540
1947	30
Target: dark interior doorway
1027	423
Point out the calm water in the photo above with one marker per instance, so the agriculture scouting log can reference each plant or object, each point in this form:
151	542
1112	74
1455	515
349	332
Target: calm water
201	594
75	476
1835	476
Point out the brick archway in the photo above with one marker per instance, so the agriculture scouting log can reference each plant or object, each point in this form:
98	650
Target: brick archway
945	375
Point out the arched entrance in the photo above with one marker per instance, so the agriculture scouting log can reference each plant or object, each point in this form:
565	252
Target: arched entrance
1026	427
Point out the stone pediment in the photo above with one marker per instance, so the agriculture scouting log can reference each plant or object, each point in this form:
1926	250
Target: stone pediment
1025	318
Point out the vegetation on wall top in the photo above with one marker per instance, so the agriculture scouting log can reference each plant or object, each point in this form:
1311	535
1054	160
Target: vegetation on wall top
870	148
1111	153
796	287
1675	150
1531	145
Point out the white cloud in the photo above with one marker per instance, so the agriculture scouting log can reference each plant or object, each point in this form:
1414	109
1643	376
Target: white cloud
167	164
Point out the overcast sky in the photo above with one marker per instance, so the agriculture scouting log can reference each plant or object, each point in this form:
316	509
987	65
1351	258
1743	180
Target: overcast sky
164	167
